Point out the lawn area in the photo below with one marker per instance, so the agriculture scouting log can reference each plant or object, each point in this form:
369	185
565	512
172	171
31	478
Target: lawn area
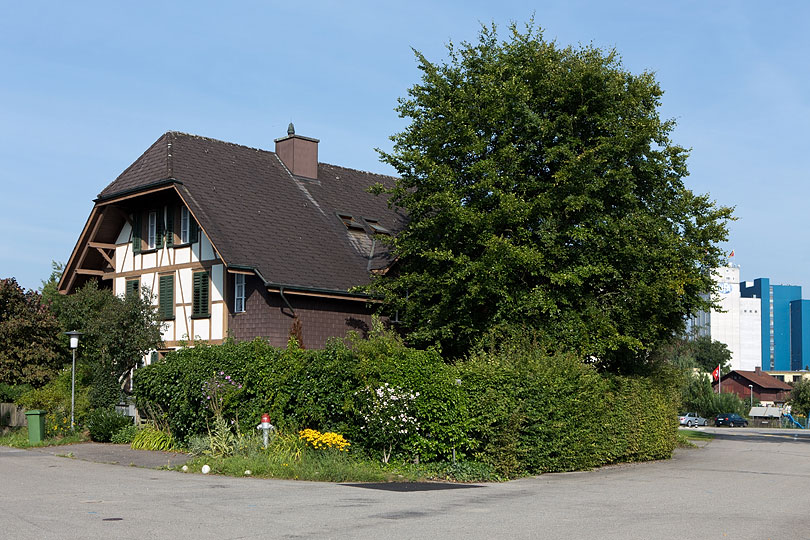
333	467
18	438
686	436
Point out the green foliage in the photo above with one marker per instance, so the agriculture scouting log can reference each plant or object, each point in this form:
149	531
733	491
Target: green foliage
54	397
514	409
18	438
118	332
711	353
699	396
542	189
221	439
533	413
9	393
105	422
198	444
30	348
800	397
153	438
105	390
302	388
125	435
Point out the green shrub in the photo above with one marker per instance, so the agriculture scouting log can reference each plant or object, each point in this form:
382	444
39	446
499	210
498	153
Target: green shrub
104	423
10	393
125	435
308	388
530	413
198	444
152	438
514	410
54	397
699	396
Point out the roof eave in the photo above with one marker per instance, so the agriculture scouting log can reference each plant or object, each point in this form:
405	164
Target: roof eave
136	190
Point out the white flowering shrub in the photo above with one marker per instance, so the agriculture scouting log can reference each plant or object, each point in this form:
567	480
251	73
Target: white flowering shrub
388	418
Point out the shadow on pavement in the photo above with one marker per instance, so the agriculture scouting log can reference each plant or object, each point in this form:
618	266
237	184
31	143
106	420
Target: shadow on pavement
411	486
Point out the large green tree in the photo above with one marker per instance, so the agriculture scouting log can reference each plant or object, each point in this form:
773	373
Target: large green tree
118	332
710	353
543	191
30	349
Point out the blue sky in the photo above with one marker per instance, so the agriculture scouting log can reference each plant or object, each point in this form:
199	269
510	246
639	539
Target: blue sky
86	87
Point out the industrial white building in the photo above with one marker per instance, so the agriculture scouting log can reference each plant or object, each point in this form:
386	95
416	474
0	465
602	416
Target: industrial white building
737	322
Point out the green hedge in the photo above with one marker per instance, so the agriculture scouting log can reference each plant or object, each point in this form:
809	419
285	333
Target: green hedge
530	413
518	410
306	388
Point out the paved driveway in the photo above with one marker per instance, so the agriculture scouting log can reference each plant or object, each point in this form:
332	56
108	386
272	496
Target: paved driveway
746	484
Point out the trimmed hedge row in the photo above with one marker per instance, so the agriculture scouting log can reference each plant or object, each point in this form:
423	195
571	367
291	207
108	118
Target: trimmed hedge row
518	410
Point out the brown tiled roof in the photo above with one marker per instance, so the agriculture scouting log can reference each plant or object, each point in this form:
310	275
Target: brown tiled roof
761	378
258	215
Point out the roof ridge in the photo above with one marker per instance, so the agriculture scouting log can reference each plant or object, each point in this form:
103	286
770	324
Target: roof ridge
358	170
212	139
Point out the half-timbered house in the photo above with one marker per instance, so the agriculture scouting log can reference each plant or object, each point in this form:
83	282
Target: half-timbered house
233	241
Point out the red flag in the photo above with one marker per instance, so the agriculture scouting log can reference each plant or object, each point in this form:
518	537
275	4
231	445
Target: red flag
716	374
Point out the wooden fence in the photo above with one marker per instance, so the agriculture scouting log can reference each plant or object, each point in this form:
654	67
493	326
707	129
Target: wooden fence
11	415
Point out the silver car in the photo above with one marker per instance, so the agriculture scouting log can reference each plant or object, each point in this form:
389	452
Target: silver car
692	419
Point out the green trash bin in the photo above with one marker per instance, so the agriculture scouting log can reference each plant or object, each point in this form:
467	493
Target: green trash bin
36	425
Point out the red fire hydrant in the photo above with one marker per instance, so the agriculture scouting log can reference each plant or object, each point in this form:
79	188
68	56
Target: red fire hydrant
266	428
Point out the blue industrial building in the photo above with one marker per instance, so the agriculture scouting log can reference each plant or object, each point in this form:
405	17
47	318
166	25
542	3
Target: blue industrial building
785	322
799	334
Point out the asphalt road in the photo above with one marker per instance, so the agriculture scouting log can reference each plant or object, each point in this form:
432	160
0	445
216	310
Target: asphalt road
745	484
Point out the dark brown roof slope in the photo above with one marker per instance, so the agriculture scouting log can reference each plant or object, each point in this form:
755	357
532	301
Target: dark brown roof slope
762	379
260	216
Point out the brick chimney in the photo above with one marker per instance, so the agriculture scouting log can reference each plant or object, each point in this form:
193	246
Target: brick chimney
299	154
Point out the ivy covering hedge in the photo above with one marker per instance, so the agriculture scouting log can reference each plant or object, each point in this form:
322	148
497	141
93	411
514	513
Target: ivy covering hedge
518	410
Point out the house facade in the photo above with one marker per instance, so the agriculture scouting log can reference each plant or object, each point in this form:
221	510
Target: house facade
757	384
232	241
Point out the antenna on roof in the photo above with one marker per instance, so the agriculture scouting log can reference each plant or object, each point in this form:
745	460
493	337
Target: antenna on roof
291	129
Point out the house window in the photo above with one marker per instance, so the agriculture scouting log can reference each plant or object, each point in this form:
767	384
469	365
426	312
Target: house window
375	226
239	293
151	233
350	222
166	297
133	287
169	228
199	306
184	225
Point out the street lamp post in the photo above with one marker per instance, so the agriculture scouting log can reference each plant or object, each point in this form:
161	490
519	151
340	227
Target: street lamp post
74	344
751	392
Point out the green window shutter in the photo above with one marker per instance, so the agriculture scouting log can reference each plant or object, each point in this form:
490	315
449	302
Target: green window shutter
200	300
136	234
132	287
193	230
170	226
160	228
166	297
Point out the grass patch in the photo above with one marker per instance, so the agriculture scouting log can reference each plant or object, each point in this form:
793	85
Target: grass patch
342	467
686	436
696	435
290	457
18	438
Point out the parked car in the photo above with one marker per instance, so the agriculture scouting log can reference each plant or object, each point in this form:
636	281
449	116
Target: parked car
730	419
692	419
